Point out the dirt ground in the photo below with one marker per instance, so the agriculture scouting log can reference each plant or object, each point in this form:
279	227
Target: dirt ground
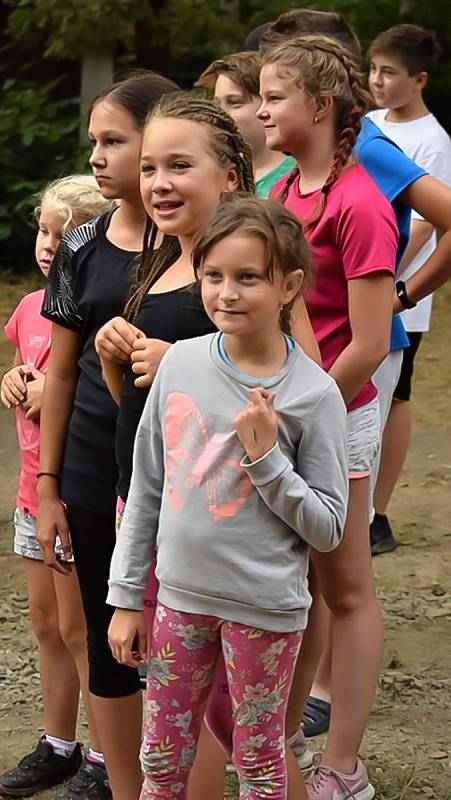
407	746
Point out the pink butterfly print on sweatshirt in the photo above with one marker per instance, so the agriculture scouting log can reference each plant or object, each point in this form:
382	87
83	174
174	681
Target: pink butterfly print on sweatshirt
196	459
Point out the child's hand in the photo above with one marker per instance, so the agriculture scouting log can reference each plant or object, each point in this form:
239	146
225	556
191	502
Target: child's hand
127	637
13	390
115	340
146	357
35	388
257	425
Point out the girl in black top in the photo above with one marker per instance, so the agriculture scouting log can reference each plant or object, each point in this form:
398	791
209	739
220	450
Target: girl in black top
88	283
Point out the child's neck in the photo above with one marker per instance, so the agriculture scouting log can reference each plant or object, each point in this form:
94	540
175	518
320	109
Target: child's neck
265	160
260	356
416	109
126	229
315	160
180	273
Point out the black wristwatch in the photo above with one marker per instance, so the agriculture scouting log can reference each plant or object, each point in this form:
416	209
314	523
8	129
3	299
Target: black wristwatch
403	297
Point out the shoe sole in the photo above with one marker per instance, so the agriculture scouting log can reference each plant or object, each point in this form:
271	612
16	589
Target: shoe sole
37	787
365	794
381	548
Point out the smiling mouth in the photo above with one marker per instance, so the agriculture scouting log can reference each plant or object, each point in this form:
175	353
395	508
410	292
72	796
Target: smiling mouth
168	205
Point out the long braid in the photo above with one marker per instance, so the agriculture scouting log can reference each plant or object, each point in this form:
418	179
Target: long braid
325	67
227	145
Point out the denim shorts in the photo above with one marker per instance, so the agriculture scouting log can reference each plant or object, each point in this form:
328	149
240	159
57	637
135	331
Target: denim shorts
25	541
364	438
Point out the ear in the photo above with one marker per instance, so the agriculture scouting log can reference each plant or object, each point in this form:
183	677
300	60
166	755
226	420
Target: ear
292	284
324	106
421	80
232	181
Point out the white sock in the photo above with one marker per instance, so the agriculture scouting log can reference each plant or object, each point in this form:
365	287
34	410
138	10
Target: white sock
93	755
61	747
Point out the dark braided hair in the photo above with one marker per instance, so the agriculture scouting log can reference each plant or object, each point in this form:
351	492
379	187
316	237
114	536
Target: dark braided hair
322	66
227	145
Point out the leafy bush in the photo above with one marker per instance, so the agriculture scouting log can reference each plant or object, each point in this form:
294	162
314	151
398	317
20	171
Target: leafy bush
38	143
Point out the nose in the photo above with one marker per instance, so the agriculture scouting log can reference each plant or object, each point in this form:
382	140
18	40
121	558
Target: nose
51	244
261	112
160	181
376	77
97	158
228	291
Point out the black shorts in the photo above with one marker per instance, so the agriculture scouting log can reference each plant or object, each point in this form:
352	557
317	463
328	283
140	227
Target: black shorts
93	538
404	387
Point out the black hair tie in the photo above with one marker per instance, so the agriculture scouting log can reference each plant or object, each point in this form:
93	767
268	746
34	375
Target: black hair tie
325	190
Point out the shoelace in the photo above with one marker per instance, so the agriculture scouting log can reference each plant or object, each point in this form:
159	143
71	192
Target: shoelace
85	777
316	778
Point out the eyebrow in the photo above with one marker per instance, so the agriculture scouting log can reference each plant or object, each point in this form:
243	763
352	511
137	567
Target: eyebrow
109	133
169	156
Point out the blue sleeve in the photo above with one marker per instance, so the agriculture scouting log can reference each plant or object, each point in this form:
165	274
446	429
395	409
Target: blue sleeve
388	166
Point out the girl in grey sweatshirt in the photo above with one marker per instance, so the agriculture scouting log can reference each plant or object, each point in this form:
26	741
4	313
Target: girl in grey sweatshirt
239	466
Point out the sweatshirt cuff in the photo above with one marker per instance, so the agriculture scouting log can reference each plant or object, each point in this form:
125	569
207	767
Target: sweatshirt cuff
266	468
125	596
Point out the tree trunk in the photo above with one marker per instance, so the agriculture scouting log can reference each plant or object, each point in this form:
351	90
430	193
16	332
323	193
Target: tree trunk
96	74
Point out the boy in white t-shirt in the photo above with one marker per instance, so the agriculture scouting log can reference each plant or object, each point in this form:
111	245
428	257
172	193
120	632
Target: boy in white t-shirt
402	59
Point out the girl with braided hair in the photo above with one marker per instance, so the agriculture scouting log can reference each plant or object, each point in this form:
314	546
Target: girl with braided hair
312	103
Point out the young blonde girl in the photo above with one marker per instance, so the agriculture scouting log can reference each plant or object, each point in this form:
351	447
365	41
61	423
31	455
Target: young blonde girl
312	104
54	601
241	434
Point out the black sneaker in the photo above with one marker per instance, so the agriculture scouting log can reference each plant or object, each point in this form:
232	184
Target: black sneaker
90	783
39	770
381	536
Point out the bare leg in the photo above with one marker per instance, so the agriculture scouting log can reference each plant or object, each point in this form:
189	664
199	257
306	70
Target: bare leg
207	776
296	785
59	680
313	642
322	684
119	723
347	584
72	628
395	444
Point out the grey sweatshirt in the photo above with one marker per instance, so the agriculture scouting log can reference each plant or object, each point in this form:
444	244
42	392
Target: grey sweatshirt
232	536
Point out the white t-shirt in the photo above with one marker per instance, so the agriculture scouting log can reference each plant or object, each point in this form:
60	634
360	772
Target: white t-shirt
428	144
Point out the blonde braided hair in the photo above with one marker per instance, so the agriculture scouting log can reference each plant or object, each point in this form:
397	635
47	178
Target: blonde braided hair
322	66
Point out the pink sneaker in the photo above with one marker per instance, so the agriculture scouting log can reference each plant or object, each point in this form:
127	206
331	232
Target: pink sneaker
323	783
298	744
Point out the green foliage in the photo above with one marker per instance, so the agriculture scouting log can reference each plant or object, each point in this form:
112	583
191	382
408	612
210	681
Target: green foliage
38	127
38	142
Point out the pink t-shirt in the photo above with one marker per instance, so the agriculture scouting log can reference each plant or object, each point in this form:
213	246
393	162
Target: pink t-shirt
30	333
356	235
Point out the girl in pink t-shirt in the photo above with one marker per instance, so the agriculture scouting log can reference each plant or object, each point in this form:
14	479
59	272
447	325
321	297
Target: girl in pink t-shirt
54	600
312	102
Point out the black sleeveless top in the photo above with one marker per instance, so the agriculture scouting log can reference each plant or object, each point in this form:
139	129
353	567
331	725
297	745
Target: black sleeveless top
170	316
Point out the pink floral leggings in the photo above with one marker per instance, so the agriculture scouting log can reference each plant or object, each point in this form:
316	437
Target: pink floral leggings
183	655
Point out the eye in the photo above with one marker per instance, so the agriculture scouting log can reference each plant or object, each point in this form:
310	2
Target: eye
147	168
181	165
43	230
111	141
247	277
212	275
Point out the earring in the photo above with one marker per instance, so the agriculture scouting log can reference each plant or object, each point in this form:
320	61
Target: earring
315	119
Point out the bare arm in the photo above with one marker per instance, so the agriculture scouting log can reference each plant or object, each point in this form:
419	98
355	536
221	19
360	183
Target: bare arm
302	331
60	384
113	374
432	199
420	232
370	314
